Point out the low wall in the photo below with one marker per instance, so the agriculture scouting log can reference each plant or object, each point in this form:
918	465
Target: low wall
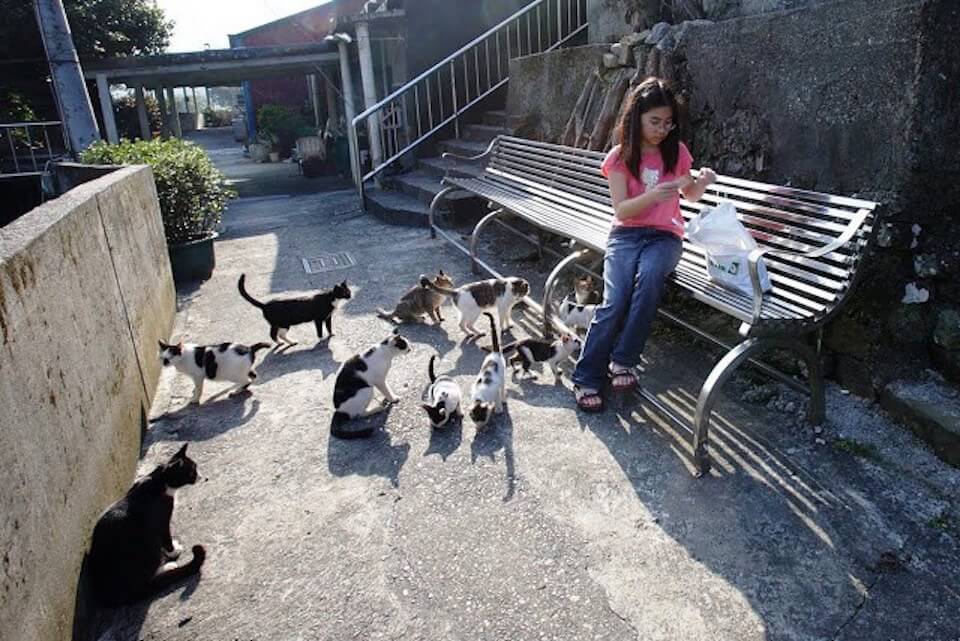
85	292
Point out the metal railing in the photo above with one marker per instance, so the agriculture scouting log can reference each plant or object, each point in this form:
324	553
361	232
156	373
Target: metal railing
442	93
27	147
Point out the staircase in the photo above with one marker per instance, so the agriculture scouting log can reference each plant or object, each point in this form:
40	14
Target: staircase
404	199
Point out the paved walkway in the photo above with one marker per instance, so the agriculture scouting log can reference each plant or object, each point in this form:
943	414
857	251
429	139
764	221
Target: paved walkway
551	526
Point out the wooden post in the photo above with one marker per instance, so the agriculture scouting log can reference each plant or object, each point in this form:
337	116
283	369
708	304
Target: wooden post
609	111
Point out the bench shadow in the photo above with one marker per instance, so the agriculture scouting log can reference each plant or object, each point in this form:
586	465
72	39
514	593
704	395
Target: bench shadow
376	455
497	436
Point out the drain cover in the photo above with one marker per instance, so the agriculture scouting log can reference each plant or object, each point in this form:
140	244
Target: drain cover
328	262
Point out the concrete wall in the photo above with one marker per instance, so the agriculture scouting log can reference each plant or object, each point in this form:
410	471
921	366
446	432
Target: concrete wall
544	89
85	292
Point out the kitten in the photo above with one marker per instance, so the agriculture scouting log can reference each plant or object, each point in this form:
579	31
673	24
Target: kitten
575	315
531	350
283	313
474	298
489	390
224	362
418	301
132	554
585	292
442	398
356	379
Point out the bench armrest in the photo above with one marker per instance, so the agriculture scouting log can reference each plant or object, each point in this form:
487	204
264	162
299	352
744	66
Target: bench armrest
469	159
754	258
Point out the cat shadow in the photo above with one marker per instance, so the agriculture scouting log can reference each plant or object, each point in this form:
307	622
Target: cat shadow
290	359
376	455
94	622
446	440
217	415
497	436
435	336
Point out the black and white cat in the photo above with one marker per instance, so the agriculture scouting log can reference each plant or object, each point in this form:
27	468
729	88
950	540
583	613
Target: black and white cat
576	315
132	554
356	380
532	350
473	299
224	362
284	313
442	398
490	388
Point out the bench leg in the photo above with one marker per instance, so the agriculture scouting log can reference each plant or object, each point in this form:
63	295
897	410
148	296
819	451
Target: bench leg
723	370
551	284
433	207
476	235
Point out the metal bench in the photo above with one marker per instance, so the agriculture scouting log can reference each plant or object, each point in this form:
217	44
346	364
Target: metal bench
812	244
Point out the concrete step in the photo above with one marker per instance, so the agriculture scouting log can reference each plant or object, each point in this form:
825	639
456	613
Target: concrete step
496	118
397	208
421	184
440	166
932	410
482	133
463	147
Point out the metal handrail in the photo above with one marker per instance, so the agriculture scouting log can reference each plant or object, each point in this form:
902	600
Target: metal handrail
432	100
29	154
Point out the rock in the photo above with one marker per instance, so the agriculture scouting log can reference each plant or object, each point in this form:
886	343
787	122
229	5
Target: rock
610	61
947	362
913	295
930	411
926	265
616	49
853	374
947	332
846	335
625	56
634	39
907	325
657	33
714	7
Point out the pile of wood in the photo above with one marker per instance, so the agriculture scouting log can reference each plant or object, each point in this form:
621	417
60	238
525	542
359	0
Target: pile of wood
594	117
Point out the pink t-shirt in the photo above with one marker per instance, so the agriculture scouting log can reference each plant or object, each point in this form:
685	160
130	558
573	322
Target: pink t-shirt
664	215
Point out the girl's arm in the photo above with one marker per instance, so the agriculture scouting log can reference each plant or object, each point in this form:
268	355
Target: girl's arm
693	190
624	208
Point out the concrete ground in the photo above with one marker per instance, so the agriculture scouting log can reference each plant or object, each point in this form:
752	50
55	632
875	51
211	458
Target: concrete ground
552	525
251	179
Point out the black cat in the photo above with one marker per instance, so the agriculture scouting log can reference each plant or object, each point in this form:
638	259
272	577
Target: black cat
283	313
132	555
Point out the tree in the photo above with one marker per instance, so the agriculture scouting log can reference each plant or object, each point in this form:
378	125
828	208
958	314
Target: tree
101	28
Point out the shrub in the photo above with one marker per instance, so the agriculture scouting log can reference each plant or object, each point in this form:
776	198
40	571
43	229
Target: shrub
281	126
128	122
217	117
192	192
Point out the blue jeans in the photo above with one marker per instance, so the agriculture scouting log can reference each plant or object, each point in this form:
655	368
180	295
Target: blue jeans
635	267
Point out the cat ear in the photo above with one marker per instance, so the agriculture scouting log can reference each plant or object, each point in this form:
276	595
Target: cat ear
182	452
343	284
163	345
180	344
440	273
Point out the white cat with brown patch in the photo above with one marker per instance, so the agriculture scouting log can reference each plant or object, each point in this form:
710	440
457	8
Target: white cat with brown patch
473	299
490	388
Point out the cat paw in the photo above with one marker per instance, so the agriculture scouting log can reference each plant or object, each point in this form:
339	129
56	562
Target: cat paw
175	552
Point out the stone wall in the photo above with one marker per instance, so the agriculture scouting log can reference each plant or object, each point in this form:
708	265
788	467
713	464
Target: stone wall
85	292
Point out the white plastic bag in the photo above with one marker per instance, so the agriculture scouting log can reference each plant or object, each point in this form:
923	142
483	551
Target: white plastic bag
728	244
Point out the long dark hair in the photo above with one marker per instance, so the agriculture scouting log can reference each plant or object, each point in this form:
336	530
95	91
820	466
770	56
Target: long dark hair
649	94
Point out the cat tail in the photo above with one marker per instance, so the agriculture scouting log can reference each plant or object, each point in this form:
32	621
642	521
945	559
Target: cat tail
166	579
494	332
429	284
433	377
256	348
243	292
385	315
336	428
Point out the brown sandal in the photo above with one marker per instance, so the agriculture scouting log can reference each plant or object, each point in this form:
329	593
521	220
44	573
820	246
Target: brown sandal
590	402
623	380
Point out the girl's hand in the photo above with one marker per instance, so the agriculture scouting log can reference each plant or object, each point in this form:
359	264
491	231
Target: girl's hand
707	176
665	191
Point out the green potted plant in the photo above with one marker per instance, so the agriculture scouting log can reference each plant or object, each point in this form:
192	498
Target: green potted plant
192	194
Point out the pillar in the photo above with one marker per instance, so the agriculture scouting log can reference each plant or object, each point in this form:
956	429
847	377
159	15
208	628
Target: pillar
369	91
145	132
106	106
